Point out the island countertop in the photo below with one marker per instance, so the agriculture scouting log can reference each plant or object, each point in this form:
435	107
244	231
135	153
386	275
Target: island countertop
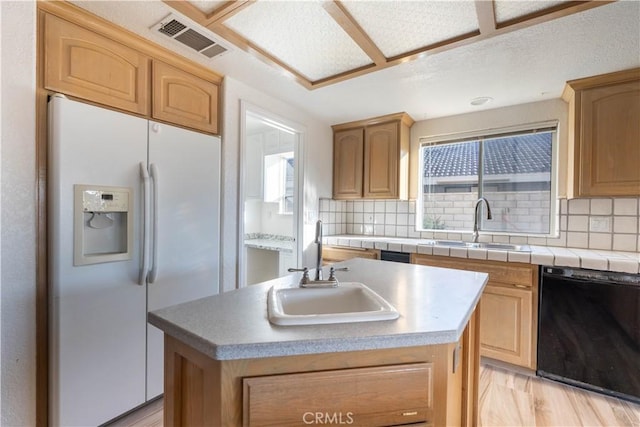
435	305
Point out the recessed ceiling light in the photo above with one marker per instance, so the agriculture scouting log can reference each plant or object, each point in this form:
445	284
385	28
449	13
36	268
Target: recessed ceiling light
481	100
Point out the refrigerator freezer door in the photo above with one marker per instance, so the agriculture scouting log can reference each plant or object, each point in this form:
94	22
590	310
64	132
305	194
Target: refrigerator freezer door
98	312
186	170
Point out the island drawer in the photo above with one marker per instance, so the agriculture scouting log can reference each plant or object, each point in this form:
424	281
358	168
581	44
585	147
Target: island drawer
372	396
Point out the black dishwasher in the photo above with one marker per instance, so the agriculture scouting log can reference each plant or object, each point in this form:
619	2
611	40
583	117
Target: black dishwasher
395	256
589	330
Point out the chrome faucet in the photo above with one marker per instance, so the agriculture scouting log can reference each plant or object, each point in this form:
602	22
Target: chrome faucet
318	282
331	282
318	241
476	215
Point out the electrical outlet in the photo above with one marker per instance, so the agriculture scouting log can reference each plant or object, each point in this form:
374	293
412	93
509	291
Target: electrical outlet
600	224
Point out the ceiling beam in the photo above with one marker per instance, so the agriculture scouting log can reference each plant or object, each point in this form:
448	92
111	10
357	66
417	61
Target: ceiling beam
340	14
259	53
549	14
486	16
226	11
187	9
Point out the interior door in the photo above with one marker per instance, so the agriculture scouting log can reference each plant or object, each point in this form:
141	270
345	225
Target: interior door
185	169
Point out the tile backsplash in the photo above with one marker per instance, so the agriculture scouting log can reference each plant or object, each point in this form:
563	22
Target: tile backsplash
602	223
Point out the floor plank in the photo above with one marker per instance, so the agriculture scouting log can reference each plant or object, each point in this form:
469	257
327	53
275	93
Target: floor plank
149	415
504	406
507	398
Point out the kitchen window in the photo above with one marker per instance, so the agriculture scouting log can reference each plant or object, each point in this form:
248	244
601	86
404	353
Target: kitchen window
279	174
512	168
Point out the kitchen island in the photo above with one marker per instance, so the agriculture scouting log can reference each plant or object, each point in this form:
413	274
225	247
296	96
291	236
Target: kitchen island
227	365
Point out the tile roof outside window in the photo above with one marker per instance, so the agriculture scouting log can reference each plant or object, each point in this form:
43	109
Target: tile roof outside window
522	154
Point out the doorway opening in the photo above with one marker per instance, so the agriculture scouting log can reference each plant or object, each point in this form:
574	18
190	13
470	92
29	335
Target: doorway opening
270	195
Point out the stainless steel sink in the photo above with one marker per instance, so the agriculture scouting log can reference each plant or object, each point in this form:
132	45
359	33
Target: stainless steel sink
454	243
482	245
502	247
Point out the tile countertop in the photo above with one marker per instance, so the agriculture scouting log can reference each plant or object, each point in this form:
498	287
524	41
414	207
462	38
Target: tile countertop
234	325
625	262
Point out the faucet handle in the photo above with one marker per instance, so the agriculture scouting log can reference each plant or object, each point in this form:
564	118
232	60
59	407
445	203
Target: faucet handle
332	270
305	274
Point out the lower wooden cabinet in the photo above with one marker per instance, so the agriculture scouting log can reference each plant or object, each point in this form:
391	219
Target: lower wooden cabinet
506	325
332	254
509	317
376	396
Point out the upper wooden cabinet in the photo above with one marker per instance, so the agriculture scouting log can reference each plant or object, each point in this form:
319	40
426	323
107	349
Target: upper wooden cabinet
86	65
371	158
381	158
348	152
90	58
184	99
604	135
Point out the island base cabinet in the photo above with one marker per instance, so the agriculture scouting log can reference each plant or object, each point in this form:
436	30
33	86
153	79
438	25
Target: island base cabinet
433	385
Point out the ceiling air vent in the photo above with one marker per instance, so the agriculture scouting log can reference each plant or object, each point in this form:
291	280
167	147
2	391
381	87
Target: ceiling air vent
191	35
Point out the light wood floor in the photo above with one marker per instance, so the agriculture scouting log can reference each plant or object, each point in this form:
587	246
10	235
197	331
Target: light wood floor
513	399
508	399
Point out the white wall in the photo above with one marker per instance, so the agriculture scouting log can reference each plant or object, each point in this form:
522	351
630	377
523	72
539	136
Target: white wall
317	154
17	213
554	109
275	223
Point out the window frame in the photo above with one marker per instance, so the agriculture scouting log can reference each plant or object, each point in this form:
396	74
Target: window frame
485	134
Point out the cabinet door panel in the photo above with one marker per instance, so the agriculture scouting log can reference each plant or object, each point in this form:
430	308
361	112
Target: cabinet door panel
381	161
184	99
347	160
611	140
380	396
86	65
505	325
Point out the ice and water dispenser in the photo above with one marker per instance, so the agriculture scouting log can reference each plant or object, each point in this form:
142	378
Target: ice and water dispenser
103	224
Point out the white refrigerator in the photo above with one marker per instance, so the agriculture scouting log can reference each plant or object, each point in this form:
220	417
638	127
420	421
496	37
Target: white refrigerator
134	227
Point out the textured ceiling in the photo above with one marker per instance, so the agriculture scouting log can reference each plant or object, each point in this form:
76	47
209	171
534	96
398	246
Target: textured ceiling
419	23
306	28
525	65
349	38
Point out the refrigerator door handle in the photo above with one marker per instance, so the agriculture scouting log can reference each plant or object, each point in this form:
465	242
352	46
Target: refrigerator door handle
154	266
146	188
